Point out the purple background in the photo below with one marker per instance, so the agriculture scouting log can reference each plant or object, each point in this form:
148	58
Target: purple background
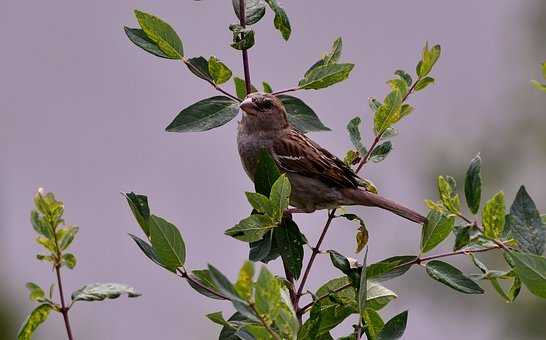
83	113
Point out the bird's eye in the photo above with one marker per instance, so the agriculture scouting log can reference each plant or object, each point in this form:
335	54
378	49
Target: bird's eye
267	104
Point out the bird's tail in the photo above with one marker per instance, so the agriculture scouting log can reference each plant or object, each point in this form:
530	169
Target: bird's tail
366	198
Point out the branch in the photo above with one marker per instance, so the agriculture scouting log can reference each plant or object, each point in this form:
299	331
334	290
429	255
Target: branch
205	77
316	250
246	67
418	260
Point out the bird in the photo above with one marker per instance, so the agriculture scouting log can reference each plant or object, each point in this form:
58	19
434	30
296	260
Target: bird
319	180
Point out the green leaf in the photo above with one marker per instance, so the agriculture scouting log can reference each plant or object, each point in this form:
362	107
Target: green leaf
428	59
267	173
203	277
101	291
436	229
260	202
462	236
394	328
65	236
390	268
404	76
332	57
167	243
35	319
264	250
69	260
36	292
219	72
493	216
252	228
423	83
452	277
280	21
347	266
205	115
243	39
324	76
149	251
40	224
200	67
141	210
300	115
354	134
524	224
267	87
388	113
254	10
244	285
447	189
363	287
378	296
381	151
218	318
322	319
139	38
473	185
373	322
161	34
268	295
280	196
240	87
374	104
531	269
290	241
539	86
223	285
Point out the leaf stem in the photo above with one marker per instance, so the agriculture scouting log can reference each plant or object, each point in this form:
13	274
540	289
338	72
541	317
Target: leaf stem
246	67
216	87
184	274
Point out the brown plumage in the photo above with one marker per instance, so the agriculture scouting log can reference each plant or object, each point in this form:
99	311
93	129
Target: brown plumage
319	179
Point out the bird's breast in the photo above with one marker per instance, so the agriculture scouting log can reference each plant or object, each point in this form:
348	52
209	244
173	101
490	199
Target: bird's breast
250	146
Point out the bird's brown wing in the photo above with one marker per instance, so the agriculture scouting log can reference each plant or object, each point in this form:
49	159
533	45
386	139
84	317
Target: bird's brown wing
294	152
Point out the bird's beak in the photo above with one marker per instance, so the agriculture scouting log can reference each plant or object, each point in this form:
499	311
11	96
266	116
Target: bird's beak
248	106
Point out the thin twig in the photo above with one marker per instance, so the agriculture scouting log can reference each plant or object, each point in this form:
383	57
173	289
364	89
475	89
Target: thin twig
184	274
316	250
64	309
206	78
246	67
286	91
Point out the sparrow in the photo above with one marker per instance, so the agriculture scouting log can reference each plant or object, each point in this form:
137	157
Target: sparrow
319	179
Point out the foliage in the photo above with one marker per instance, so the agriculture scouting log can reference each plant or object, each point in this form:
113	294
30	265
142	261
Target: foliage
55	237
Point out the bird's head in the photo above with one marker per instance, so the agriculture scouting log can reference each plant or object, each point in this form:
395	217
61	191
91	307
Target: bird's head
264	111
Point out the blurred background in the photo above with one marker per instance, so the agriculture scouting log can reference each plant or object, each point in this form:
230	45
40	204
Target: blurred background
83	113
